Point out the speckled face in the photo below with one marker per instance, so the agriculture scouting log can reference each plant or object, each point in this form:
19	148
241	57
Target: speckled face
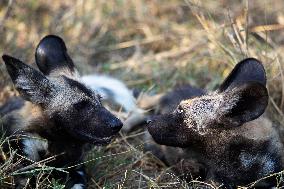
203	113
199	116
192	117
75	109
79	110
241	98
68	92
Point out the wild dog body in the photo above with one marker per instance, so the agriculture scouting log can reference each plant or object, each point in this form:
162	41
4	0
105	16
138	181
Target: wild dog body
221	130
60	115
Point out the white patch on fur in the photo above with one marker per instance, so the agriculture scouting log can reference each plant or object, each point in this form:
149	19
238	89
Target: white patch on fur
77	186
32	146
202	110
121	94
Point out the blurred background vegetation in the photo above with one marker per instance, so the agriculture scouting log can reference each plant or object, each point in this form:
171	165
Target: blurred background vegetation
150	45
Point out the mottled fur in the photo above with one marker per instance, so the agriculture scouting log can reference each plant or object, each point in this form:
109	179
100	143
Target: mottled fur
221	130
58	114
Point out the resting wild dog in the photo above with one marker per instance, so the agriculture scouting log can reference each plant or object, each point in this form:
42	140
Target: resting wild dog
60	115
224	129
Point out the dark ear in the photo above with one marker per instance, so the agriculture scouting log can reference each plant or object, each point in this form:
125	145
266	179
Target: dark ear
52	57
245	102
30	83
247	70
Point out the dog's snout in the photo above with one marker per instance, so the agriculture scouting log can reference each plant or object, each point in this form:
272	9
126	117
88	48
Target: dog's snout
115	125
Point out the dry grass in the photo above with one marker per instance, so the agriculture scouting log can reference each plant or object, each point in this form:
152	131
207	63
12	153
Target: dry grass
148	44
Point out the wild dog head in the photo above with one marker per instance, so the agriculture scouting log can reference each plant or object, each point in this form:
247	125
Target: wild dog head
70	105
242	97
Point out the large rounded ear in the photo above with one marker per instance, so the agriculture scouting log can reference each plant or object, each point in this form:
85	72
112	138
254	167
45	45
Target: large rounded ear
52	58
243	103
248	70
30	83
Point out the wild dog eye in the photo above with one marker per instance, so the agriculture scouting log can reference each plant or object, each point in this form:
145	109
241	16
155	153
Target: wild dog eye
179	110
81	105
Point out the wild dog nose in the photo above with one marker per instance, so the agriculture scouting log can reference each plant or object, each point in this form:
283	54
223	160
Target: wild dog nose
115	125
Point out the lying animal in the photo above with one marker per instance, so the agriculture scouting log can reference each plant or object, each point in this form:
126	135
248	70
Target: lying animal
59	116
223	130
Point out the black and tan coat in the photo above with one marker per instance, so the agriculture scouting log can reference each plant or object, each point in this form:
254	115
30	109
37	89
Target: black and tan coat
223	132
57	115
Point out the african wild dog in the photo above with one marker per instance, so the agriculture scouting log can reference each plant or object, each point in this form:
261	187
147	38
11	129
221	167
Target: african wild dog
223	130
60	115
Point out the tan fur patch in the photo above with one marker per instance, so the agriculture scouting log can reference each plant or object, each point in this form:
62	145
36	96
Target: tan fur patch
30	110
28	114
